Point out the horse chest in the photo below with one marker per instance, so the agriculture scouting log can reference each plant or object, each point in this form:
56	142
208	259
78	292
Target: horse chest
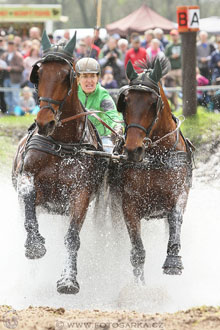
67	172
153	190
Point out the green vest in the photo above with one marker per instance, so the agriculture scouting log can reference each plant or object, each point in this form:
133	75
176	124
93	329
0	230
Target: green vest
102	101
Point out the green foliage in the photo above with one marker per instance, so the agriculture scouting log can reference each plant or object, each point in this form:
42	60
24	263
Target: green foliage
204	127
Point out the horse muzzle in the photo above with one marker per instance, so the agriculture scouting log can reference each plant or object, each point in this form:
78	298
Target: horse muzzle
135	155
46	129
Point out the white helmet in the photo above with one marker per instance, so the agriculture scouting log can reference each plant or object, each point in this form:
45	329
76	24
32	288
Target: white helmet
87	65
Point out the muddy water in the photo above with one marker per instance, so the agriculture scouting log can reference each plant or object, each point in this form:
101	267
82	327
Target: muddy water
104	270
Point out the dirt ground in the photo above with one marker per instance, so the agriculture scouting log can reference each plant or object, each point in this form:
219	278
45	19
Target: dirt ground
46	318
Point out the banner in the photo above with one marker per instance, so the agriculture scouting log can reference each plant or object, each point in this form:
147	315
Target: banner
27	13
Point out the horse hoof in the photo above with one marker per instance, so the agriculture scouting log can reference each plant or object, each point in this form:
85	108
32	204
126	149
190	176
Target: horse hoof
35	251
67	286
173	265
139	276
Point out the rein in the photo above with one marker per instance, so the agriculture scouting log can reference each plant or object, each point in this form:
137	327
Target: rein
91	113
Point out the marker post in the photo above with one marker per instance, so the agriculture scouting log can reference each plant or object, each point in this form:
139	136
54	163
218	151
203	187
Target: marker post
188	25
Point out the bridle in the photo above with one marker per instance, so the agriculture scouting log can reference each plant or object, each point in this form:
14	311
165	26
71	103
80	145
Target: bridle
144	87
50	101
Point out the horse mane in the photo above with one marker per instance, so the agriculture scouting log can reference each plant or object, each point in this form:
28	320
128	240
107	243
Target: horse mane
149	64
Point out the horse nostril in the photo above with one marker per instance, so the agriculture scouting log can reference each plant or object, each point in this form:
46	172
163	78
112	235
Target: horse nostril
135	155
139	150
51	124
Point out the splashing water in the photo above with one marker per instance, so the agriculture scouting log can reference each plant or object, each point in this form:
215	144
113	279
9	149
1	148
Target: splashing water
104	269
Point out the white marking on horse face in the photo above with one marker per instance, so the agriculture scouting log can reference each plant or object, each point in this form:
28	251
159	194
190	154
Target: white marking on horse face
25	184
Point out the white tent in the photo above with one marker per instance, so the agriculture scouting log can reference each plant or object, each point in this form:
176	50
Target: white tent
210	24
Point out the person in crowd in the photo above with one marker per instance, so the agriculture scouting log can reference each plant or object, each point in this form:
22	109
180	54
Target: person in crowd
81	49
173	52
26	104
123	47
94	96
29	61
35	33
108	80
3	67
91	49
96	39
204	50
136	53
215	63
13	75
110	56
66	35
216	98
202	97
26	47
160	36
154	50
18	43
148	36
2	45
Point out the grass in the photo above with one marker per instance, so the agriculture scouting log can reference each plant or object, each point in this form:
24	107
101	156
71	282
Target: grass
15	122
201	128
10	128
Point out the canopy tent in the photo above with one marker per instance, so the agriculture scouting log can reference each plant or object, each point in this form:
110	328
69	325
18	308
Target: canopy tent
139	21
210	24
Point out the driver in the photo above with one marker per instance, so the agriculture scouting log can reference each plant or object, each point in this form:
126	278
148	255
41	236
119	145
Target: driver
94	97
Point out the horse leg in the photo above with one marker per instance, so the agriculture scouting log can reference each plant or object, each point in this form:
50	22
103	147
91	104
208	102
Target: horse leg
68	284
34	245
137	257
173	263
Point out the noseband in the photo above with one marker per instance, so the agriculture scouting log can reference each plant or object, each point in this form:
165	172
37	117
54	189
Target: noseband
50	101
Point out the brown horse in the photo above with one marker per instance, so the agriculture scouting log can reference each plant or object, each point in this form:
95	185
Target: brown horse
155	179
50	169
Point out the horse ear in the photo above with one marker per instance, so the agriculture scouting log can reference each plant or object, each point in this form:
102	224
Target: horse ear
70	46
45	41
130	71
156	74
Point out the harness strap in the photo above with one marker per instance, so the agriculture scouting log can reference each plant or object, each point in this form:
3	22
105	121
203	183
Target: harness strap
56	148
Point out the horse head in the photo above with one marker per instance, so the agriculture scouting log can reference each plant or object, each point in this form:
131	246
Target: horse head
140	104
54	78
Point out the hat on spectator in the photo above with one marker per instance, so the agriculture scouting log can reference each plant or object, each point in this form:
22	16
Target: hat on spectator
174	32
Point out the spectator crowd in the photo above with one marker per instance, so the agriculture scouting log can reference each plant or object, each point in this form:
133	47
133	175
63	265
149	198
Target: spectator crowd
17	57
